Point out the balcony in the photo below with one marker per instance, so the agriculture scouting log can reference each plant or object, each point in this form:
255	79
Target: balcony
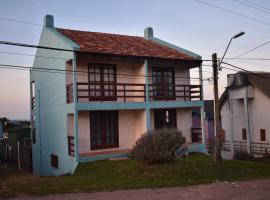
131	92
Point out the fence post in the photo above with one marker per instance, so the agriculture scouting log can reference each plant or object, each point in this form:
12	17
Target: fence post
18	156
124	92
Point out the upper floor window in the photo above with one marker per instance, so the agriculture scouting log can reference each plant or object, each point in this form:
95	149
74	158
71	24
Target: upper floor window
262	135
102	82
163	83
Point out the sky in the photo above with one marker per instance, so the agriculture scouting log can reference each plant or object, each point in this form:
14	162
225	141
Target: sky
201	26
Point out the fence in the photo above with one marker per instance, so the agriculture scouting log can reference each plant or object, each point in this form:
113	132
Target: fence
256	148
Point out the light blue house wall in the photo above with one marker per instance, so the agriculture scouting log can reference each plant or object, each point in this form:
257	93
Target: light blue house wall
51	110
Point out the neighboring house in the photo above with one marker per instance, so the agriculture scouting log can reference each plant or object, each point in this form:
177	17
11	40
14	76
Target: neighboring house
9	146
208	122
245	113
124	86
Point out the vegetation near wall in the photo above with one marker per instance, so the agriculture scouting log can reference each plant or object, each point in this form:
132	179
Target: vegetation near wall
158	146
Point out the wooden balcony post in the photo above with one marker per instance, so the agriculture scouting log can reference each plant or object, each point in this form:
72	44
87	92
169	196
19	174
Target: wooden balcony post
124	92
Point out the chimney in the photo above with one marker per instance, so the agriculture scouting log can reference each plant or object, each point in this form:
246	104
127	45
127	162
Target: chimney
48	21
148	33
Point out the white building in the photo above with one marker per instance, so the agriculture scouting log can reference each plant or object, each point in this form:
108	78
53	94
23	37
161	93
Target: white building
245	113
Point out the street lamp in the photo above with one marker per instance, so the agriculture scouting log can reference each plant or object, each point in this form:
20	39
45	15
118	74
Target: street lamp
234	37
216	67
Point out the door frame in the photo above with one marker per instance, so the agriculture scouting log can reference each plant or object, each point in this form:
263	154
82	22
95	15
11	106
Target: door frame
103	131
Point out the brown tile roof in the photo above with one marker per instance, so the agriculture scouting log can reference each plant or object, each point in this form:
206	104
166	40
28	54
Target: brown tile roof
114	44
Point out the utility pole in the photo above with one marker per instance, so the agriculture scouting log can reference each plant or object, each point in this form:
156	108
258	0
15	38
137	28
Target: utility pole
217	155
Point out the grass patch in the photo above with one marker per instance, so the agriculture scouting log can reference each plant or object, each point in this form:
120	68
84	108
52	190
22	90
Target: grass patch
129	174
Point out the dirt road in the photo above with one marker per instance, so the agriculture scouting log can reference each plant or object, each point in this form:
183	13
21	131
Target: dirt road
256	189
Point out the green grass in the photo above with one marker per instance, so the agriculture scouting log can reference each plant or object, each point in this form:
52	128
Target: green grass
129	174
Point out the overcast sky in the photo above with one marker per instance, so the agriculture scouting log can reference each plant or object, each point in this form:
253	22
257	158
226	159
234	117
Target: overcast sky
191	24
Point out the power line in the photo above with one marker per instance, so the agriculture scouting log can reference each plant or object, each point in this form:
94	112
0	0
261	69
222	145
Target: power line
81	73
252	6
230	69
32	55
71	50
233	58
260	75
253	49
258	5
233	12
20	21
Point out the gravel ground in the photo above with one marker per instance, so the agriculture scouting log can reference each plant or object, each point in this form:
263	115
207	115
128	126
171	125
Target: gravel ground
256	189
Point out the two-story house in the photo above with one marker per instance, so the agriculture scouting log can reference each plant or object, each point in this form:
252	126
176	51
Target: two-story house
103	92
244	113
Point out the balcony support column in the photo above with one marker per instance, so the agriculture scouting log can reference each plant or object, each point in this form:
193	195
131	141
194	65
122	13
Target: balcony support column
75	131
148	114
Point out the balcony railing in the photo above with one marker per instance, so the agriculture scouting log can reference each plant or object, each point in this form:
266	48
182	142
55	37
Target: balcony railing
175	92
131	92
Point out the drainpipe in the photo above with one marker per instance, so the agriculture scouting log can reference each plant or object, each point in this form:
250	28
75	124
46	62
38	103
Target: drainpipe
247	119
75	118
148	115
231	124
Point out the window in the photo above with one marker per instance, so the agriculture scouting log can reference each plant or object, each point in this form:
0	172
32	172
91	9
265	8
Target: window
196	134
54	161
163	83
244	134
262	135
165	118
33	95
104	129
102	82
34	135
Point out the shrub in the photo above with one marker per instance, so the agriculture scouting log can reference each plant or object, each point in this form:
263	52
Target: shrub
243	156
158	146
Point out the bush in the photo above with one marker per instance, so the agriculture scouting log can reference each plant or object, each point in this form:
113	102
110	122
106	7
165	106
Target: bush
158	146
243	156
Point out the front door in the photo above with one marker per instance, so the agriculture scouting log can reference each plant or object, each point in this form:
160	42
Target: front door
102	82
165	118
104	129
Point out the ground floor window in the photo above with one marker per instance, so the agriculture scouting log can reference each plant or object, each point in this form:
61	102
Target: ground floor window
104	129
165	118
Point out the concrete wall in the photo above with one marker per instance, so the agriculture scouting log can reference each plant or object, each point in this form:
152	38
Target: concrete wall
131	123
50	112
259	114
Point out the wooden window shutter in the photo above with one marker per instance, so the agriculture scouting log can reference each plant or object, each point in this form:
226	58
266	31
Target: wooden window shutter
54	161
244	134
262	135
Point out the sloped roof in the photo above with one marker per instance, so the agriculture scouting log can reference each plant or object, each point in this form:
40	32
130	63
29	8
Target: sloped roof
260	80
122	45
